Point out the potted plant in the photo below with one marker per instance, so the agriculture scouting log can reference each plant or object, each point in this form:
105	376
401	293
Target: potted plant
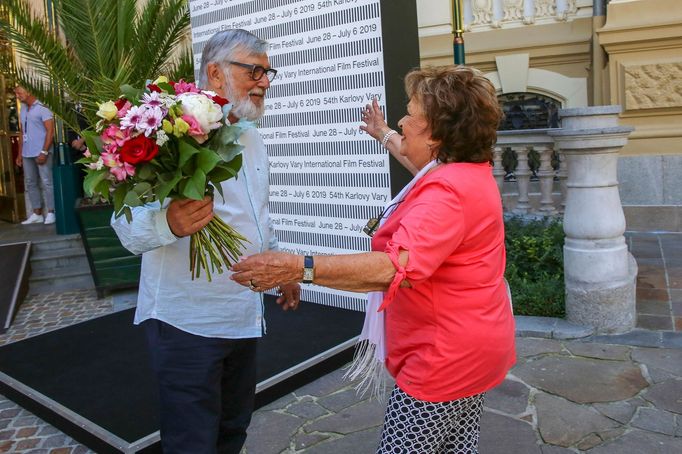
96	47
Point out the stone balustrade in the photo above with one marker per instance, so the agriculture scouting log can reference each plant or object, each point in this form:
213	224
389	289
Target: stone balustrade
480	15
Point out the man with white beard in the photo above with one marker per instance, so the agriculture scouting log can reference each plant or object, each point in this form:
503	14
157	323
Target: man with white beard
202	335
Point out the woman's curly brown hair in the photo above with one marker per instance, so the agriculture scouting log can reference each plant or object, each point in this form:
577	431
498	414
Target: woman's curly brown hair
461	109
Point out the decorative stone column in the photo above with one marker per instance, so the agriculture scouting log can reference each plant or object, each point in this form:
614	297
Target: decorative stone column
599	271
546	177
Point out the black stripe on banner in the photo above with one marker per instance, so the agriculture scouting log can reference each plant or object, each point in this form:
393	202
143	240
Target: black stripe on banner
366	46
340	301
344	211
324	148
320	117
230	12
308	24
351	243
331	84
352	180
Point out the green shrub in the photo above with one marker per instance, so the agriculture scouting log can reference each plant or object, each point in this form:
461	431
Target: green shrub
535	266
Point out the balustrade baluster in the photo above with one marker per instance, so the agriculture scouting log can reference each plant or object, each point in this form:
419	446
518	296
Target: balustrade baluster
498	169
546	175
523	174
562	174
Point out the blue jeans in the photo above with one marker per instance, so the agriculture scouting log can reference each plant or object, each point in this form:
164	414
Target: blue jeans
206	386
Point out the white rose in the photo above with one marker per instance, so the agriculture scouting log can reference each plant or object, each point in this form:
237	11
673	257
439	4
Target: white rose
207	113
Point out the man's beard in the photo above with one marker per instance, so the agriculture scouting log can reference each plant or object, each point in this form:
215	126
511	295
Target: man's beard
244	107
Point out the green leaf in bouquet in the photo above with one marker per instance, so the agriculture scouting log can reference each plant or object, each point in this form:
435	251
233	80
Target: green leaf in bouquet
218	187
166	87
132	199
92	140
195	186
132	94
102	188
207	160
186	152
119	197
167	182
225	170
144	171
141	189
230	151
92	180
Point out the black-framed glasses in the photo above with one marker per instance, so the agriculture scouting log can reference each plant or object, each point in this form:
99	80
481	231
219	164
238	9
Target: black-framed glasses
257	71
373	224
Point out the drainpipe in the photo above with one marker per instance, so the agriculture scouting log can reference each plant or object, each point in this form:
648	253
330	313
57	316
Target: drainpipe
599	58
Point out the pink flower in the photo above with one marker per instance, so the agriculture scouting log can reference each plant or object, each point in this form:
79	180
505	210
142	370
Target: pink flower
151	120
152	99
185	87
195	129
123	171
87	153
115	135
124	109
111	159
132	117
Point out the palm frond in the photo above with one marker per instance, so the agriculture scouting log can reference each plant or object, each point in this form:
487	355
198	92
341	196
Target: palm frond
107	43
34	41
182	67
88	27
49	96
161	26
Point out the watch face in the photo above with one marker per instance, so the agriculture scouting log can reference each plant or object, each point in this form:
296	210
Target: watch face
308	275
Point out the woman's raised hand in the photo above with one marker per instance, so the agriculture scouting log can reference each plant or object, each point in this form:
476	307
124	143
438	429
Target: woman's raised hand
373	119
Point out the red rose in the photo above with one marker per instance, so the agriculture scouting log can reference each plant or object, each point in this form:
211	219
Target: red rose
138	149
219	100
120	102
154	87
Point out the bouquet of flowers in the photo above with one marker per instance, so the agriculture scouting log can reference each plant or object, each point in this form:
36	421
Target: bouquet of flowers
170	140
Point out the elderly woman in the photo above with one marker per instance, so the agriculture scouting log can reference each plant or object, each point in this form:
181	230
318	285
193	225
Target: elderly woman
438	257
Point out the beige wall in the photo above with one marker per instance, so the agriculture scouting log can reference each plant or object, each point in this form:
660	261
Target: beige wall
643	39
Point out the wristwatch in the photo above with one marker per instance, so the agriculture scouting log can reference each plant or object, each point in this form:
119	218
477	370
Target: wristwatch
308	270
44	152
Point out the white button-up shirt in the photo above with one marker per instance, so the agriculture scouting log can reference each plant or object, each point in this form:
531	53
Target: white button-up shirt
221	308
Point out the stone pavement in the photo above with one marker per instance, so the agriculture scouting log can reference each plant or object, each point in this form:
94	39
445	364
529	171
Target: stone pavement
595	394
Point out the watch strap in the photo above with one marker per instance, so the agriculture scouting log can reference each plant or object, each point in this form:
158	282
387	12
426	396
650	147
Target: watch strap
308	269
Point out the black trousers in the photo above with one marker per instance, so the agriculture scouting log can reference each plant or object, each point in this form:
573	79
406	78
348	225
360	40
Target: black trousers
206	386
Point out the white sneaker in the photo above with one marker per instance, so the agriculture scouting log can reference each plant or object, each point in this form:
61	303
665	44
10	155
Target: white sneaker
34	219
50	219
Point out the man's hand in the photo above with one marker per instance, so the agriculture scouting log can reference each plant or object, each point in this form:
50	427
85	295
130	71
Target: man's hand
19	161
186	216
78	144
41	159
290	296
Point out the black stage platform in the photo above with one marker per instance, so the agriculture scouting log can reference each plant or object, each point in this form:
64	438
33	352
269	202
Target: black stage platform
15	266
92	380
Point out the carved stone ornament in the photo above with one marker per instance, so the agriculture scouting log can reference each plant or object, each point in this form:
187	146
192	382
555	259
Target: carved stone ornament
545	8
513	10
653	86
482	11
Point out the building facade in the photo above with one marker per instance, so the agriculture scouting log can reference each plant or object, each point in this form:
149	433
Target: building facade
543	54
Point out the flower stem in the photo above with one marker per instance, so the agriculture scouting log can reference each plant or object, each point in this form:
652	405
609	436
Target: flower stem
218	244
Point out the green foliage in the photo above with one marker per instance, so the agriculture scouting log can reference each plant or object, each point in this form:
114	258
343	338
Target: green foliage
103	45
535	266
